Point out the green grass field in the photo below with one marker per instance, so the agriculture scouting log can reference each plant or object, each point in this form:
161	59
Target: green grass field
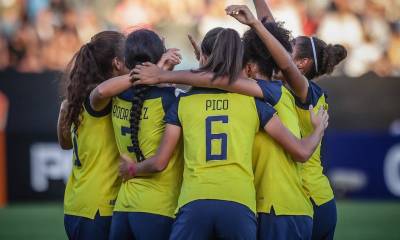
356	220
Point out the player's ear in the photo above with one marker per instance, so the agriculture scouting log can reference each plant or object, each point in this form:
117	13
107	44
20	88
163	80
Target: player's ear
250	69
118	65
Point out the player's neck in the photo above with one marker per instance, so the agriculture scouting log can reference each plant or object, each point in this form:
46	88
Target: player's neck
262	77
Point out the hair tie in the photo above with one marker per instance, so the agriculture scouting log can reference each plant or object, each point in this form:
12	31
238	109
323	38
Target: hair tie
315	54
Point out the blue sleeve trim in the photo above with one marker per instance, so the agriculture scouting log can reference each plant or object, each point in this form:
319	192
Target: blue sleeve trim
171	116
168	98
265	112
314	93
94	113
272	90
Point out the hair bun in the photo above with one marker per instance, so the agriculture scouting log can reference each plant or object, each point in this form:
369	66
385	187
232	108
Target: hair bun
332	56
340	52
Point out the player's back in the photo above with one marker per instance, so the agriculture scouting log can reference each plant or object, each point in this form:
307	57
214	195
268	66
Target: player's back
94	182
315	182
155	193
277	176
218	132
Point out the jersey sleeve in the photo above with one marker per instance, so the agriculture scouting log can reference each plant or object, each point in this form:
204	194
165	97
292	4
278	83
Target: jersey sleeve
94	113
265	112
314	93
172	114
168	99
271	91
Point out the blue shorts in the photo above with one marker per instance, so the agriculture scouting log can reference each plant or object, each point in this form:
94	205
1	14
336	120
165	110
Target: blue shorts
140	226
325	218
214	219
284	227
85	228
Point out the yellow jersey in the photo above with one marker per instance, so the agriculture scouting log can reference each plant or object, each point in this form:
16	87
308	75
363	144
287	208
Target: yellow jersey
218	133
277	176
315	183
94	183
154	193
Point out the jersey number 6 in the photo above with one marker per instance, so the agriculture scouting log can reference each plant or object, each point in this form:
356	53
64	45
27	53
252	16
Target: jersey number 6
223	137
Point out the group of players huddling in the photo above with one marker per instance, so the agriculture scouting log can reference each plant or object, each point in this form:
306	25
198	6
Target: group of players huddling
236	157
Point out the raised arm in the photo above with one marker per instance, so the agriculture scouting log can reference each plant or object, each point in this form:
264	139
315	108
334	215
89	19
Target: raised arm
63	131
293	76
150	74
157	163
263	10
300	149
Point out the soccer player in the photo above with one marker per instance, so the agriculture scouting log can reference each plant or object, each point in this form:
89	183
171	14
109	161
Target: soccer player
283	203
94	183
218	196
145	206
314	58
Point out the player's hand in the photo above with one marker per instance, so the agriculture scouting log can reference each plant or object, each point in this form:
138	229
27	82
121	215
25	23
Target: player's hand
196	47
146	74
319	120
241	13
170	59
127	168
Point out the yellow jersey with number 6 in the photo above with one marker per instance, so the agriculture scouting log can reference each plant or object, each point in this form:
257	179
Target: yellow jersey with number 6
218	133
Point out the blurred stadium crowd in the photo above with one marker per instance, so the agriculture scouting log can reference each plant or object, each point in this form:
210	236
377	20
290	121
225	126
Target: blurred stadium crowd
38	35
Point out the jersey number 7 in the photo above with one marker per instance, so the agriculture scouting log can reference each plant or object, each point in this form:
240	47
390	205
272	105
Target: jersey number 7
223	137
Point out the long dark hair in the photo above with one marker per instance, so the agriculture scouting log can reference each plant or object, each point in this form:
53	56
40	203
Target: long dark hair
90	66
226	57
256	52
327	55
141	46
209	39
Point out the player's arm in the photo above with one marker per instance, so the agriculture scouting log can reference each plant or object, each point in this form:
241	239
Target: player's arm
63	131
150	74
263	10
129	169
101	96
300	149
293	76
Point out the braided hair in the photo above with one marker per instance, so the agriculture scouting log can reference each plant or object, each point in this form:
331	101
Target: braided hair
90	66
141	46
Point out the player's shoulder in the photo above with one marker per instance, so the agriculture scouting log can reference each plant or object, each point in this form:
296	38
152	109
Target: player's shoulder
314	95
201	91
272	90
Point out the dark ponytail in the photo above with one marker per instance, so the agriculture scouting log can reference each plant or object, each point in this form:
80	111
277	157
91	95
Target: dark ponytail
327	56
141	46
209	39
226	57
332	55
90	66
